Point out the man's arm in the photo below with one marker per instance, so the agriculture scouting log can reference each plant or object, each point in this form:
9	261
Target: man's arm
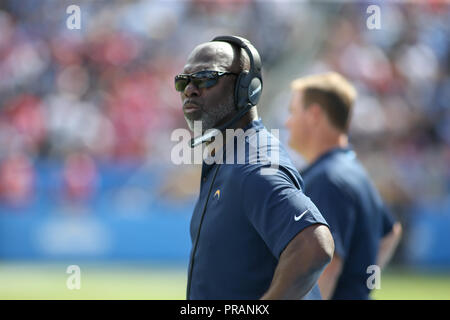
329	278
301	263
388	245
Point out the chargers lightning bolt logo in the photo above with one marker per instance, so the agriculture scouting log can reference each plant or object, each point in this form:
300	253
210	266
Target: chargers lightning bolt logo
217	194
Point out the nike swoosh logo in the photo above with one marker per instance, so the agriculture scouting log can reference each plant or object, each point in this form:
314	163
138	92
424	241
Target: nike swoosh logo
300	216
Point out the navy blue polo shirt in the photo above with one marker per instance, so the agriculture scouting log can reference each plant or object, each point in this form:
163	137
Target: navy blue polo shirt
342	190
250	218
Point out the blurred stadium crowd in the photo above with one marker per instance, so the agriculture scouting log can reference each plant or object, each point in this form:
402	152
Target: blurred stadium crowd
104	94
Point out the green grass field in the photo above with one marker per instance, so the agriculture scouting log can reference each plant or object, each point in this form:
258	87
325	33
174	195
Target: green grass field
44	281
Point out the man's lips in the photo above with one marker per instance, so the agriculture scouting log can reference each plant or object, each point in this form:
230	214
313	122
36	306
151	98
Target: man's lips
190	106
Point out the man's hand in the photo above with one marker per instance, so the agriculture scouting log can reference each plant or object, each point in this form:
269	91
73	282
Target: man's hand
388	245
301	263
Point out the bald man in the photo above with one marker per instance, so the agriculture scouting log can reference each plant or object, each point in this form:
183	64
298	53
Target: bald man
254	236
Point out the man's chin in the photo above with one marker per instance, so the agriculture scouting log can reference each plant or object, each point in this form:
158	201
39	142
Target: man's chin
294	145
291	143
191	121
197	127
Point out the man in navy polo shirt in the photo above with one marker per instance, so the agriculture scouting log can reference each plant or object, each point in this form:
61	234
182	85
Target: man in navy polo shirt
254	235
364	232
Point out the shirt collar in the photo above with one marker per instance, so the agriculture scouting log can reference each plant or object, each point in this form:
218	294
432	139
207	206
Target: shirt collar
328	154
255	124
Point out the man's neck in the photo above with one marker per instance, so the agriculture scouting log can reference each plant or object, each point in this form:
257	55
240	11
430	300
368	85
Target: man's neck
241	123
246	119
326	145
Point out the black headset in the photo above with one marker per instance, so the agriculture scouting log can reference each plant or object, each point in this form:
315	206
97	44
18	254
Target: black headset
248	88
249	83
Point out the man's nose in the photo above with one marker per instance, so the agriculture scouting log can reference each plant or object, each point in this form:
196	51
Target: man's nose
191	90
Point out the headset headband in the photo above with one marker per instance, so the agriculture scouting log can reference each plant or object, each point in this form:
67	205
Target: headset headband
255	60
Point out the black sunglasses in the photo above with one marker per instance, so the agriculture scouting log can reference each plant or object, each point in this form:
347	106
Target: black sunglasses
200	79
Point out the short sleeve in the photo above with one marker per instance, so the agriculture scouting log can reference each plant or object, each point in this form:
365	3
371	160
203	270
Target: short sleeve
388	221
339	211
277	209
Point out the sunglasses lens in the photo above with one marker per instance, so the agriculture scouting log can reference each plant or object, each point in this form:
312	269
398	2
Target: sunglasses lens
204	83
201	79
205	75
181	83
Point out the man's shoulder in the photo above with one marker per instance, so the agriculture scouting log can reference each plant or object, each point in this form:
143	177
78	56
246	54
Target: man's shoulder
337	173
258	175
343	175
258	153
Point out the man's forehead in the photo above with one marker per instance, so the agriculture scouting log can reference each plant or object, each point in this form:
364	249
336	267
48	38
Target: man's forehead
195	67
297	95
210	55
296	98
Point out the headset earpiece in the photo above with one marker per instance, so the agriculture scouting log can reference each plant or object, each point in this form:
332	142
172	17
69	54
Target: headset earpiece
249	83
239	91
254	90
